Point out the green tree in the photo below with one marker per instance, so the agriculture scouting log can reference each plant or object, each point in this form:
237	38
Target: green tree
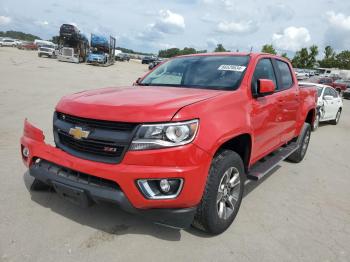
329	59
343	60
268	49
285	55
220	48
19	35
312	56
305	58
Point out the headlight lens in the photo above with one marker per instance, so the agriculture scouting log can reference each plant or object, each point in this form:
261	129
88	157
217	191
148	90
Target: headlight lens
164	135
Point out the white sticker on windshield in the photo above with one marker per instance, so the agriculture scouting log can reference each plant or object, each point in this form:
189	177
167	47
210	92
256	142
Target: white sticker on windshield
234	68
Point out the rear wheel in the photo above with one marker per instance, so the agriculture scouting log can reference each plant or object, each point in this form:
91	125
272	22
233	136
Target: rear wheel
223	193
337	118
304	140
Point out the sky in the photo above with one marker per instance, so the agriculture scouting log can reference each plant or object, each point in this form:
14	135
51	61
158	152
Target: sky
150	25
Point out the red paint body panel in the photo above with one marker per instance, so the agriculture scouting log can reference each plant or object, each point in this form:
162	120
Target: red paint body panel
270	121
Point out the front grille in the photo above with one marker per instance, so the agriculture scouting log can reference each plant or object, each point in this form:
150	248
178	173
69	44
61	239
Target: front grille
67	52
107	141
44	49
103	124
101	148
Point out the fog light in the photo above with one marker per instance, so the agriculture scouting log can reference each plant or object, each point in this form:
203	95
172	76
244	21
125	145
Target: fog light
25	152
164	185
160	188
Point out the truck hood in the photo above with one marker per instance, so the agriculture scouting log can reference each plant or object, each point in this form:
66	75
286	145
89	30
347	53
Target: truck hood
133	104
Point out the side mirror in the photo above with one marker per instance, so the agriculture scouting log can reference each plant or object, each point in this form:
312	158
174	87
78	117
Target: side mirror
328	97
266	87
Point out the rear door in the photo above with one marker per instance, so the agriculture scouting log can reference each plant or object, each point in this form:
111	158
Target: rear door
265	112
288	100
330	106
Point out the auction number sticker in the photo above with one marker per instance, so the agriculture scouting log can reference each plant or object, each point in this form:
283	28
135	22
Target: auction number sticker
234	68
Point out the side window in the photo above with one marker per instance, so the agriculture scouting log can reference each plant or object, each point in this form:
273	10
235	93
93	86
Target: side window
263	70
327	92
285	74
334	93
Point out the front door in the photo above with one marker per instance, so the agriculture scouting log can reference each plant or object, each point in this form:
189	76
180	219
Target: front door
265	113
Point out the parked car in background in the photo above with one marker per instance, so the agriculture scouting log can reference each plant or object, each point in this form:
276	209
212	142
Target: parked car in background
122	57
25	45
341	85
48	51
329	104
8	42
148	59
325	81
301	74
346	93
155	63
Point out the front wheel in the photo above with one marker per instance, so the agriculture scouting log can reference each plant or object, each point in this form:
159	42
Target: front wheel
223	193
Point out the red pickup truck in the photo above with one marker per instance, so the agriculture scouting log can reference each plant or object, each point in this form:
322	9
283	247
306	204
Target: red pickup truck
179	146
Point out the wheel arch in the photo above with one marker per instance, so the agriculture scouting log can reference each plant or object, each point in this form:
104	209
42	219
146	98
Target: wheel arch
310	117
242	145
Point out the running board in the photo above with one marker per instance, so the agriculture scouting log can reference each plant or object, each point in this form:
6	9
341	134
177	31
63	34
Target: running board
265	165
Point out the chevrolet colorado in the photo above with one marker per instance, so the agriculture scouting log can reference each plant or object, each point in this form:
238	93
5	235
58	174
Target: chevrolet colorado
180	144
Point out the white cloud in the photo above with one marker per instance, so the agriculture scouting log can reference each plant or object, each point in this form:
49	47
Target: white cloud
167	23
339	20
292	38
237	27
4	20
338	32
42	23
212	43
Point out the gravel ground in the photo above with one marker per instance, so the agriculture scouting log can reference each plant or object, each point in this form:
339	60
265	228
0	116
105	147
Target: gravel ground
300	212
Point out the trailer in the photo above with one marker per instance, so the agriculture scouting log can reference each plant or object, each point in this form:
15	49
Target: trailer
102	51
73	45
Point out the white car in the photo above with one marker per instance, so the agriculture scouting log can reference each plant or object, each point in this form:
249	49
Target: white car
8	42
47	50
301	74
329	104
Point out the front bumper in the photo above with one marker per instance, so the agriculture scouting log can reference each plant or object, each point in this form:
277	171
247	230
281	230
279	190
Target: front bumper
188	162
71	59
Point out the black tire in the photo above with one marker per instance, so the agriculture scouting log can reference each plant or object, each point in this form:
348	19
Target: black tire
316	123
304	140
337	118
38	185
207	216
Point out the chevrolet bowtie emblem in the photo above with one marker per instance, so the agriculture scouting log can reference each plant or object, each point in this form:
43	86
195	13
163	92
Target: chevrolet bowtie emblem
78	133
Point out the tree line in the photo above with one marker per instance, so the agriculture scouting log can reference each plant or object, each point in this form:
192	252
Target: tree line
19	35
307	57
303	58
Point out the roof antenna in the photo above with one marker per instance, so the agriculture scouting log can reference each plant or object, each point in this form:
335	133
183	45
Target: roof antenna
251	49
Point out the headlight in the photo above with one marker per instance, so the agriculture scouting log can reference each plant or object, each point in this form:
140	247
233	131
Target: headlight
164	135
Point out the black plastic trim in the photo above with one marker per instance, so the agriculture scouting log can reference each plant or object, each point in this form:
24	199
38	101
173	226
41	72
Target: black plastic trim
60	177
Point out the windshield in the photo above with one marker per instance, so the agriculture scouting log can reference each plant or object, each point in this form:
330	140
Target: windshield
319	91
207	72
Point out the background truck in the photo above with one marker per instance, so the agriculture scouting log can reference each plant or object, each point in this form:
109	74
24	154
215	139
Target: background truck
48	50
73	45
179	146
102	51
